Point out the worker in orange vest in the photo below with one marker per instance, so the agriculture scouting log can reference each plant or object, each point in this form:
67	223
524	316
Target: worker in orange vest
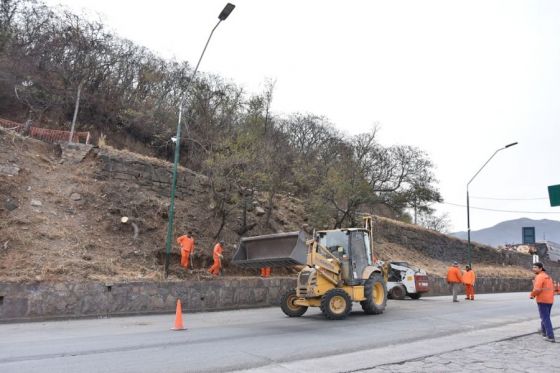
216	267
469	278
454	278
543	292
187	249
265	271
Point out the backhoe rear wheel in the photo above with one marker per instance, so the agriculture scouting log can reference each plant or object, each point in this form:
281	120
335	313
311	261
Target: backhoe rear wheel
288	307
336	304
375	292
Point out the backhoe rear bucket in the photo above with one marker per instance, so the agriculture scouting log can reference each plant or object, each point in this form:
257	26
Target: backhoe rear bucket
272	250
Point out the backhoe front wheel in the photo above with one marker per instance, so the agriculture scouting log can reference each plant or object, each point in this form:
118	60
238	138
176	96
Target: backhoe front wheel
375	292
336	304
288	306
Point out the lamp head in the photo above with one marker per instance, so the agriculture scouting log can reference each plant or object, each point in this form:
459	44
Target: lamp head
512	144
226	11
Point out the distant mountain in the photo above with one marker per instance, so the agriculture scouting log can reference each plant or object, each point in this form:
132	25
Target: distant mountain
510	232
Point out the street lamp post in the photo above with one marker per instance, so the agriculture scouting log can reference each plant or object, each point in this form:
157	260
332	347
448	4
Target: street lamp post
468	212
222	17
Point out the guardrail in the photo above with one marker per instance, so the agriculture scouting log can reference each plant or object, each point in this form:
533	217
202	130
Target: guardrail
45	134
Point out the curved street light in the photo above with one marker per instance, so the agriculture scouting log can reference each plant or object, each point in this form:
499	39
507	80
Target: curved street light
222	17
468	212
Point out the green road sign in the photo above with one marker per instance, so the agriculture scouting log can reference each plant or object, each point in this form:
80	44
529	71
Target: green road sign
554	195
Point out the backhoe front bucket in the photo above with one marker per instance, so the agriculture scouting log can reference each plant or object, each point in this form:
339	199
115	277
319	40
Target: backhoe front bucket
272	250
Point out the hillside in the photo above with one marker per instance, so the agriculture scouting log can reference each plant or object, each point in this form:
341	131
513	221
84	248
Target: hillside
509	232
60	220
59	67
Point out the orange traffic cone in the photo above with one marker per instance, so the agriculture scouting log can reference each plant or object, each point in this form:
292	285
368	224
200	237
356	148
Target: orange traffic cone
178	317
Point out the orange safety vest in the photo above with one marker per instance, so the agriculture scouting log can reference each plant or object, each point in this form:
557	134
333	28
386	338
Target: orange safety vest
187	244
454	275
217	252
469	277
543	288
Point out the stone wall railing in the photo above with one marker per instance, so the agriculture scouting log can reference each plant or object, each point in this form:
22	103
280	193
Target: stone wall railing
37	301
45	134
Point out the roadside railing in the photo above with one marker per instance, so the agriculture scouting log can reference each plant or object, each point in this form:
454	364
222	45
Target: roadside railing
45	134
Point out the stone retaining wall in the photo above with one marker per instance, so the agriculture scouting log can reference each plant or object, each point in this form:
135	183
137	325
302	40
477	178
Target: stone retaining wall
74	153
19	302
444	247
439	286
37	301
447	248
150	174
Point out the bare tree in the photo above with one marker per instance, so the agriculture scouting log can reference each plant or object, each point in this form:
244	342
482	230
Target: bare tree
436	222
8	10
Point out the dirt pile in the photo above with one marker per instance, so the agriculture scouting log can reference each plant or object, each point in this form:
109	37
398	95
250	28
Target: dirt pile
60	220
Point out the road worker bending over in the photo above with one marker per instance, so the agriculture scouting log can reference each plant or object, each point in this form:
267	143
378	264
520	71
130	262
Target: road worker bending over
469	278
543	292
454	278
265	271
216	268
187	249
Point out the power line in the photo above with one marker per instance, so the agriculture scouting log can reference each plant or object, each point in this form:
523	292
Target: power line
510	199
496	210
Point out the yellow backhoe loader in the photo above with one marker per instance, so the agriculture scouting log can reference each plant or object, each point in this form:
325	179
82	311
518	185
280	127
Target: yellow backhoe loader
339	268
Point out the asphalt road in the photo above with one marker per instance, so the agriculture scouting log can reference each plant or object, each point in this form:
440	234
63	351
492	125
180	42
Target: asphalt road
262	339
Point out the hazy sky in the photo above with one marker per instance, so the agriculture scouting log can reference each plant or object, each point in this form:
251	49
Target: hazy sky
458	79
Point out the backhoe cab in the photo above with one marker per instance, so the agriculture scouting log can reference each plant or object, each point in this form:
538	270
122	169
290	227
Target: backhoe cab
340	269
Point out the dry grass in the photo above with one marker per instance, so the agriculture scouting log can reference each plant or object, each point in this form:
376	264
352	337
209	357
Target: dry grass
102	141
395	252
65	240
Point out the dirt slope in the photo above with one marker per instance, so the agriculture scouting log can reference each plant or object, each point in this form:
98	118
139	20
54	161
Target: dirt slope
396	252
60	221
